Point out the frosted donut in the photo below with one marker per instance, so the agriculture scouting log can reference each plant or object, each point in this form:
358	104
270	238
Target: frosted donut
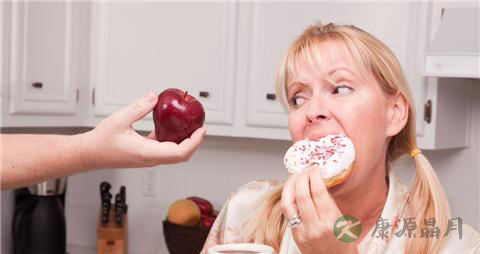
335	154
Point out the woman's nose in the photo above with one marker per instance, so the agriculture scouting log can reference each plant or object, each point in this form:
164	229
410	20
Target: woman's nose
316	117
317	112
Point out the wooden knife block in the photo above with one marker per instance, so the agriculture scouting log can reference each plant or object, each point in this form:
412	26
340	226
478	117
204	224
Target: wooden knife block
111	238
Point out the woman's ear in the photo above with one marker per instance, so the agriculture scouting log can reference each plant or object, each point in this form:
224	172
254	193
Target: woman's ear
397	114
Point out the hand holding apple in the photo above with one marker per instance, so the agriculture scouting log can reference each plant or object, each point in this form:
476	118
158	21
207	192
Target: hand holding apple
177	115
115	144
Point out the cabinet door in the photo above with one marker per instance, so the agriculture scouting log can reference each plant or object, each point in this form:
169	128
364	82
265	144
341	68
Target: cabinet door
276	25
138	47
446	99
2	51
41	61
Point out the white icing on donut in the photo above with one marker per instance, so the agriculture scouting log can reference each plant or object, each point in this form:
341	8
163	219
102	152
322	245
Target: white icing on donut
333	153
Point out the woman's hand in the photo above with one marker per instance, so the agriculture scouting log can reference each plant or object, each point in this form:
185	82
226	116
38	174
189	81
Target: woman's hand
305	194
115	144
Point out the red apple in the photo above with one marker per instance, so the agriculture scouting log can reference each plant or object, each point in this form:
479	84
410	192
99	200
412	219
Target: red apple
206	208
177	115
207	222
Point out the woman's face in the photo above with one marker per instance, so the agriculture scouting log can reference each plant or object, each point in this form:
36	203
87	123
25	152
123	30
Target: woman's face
353	103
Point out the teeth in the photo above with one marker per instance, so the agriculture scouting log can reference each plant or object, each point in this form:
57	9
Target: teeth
333	153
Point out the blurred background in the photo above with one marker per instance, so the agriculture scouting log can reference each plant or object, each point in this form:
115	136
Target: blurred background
65	66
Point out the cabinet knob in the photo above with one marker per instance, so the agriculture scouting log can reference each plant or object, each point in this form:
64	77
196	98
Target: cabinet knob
427	114
204	94
37	84
271	96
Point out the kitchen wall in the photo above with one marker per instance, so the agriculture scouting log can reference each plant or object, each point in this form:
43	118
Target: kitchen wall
218	168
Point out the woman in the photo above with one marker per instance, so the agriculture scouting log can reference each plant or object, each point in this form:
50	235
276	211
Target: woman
340	79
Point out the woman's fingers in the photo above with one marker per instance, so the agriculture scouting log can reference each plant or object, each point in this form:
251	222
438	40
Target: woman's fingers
288	204
305	194
324	204
306	207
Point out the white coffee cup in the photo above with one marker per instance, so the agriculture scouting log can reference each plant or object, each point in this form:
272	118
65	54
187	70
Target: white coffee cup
241	248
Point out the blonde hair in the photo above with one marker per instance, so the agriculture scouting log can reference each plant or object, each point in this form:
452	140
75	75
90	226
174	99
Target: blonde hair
427	198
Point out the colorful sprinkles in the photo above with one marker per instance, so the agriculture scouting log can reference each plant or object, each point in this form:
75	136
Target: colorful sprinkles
333	153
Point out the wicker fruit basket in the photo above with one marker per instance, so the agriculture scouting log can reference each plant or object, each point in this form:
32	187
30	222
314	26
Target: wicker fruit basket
181	239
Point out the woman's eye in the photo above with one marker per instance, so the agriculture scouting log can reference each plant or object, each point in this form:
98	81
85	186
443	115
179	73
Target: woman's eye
297	100
342	90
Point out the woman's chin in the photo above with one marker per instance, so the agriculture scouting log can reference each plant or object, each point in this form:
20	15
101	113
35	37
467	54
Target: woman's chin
343	188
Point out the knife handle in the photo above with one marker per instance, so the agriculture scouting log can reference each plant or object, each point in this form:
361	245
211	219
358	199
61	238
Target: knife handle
105	214
105	187
105	197
118	217
118	209
123	192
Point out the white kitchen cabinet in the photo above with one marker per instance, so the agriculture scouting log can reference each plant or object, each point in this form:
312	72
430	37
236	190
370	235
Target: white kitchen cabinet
447	107
276	25
138	47
41	58
406	28
443	111
111	53
2	52
232	51
459	57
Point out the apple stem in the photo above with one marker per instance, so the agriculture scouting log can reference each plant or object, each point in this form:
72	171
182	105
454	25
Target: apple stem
185	95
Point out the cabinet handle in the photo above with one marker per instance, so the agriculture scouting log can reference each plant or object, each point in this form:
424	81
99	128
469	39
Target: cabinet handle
37	84
204	94
271	96
427	115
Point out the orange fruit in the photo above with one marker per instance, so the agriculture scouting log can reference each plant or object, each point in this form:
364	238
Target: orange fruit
184	212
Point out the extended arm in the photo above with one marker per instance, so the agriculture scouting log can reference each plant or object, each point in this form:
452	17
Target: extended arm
27	159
